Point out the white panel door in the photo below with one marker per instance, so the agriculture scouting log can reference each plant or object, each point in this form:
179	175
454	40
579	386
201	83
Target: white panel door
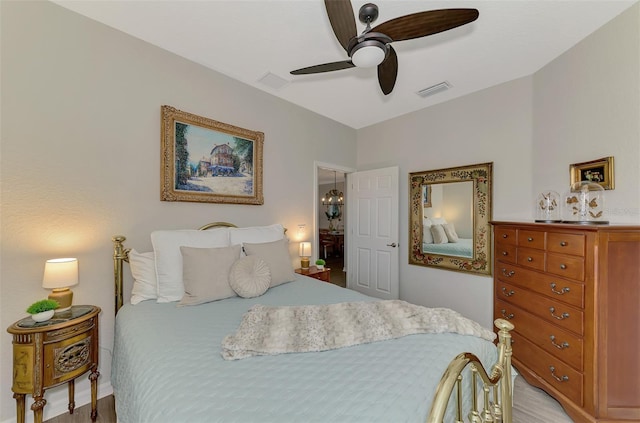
373	234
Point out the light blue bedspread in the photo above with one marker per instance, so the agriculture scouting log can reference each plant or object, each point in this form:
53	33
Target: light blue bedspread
167	367
462	248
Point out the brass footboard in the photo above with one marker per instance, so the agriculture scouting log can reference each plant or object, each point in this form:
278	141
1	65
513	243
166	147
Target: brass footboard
496	387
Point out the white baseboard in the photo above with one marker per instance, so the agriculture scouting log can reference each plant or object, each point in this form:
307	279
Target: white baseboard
58	403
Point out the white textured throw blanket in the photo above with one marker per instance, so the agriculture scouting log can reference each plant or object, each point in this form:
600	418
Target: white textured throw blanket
277	330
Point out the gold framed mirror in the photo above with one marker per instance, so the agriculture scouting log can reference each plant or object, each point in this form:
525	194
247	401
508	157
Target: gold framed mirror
449	214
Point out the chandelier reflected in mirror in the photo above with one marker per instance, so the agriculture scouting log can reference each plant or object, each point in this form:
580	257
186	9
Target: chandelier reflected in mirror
333	201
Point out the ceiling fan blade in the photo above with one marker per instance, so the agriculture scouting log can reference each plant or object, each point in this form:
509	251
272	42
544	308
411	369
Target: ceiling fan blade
388	71
342	20
326	67
422	24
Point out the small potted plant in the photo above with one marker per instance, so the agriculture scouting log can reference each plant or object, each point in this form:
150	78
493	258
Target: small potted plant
42	310
320	264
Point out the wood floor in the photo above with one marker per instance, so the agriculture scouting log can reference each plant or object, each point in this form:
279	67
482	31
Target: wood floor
531	405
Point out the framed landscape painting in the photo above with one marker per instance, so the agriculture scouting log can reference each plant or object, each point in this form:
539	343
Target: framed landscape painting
204	160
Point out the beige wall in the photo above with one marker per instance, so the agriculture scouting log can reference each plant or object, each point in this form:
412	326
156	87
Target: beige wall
583	106
81	157
80	153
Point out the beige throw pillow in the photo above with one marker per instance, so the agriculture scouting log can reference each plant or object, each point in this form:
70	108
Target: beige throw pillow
439	236
250	277
205	272
276	255
450	230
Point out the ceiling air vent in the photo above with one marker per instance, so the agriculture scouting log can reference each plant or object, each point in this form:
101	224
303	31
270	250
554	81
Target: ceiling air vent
272	80
434	89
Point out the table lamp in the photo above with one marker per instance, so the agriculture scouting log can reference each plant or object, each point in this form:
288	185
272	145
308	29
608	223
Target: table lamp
59	275
305	253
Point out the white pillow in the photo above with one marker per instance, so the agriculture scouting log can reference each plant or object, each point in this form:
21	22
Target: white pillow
145	283
166	245
427	238
276	255
256	234
250	277
439	236
427	222
450	230
206	274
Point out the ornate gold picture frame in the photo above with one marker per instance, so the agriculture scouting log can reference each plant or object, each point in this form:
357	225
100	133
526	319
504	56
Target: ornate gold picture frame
207	161
599	171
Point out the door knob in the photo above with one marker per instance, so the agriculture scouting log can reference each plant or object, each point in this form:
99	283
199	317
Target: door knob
393	245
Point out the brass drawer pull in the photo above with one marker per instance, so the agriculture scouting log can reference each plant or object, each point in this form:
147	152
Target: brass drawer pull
505	315
561	292
563	266
564	378
529	259
559	346
508	294
563	244
530	239
505	253
505	236
508	274
564	315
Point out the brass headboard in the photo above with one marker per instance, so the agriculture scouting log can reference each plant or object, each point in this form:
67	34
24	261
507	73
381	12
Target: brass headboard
121	255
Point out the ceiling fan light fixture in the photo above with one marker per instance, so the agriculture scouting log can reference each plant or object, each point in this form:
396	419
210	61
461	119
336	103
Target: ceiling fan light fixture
368	54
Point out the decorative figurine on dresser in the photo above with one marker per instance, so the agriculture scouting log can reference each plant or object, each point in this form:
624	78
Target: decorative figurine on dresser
52	352
573	293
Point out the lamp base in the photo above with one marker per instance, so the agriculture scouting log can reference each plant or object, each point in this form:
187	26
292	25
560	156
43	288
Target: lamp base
64	297
304	262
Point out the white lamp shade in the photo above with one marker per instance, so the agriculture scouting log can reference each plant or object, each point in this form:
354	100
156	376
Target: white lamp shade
60	273
305	249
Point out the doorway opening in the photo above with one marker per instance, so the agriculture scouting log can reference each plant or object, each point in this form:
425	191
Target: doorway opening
331	224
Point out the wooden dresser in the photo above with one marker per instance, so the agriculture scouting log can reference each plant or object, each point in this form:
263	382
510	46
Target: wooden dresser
573	294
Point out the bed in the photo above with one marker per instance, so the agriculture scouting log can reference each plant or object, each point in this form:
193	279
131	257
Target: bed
170	361
461	248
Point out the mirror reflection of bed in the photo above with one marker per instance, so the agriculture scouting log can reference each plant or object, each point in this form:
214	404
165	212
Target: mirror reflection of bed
448	219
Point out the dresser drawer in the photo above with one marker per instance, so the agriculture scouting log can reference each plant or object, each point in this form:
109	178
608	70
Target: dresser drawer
531	239
554	287
552	311
531	258
557	342
559	375
506	236
506	252
567	266
558	242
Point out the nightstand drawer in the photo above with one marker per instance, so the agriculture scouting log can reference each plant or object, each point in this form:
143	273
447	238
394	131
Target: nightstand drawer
69	331
67	359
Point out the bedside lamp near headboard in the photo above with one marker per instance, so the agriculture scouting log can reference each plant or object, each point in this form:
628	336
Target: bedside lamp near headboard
59	275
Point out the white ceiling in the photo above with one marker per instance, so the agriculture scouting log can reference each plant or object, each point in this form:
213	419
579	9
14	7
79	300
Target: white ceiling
245	40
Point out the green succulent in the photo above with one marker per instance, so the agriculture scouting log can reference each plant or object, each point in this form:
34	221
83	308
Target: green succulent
321	262
42	305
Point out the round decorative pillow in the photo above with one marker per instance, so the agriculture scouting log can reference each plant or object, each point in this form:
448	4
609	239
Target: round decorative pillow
250	277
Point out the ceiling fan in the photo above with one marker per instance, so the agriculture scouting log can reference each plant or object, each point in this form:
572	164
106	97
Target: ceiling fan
373	46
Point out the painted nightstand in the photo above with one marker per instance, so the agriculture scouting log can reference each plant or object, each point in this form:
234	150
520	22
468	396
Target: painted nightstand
50	353
314	272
